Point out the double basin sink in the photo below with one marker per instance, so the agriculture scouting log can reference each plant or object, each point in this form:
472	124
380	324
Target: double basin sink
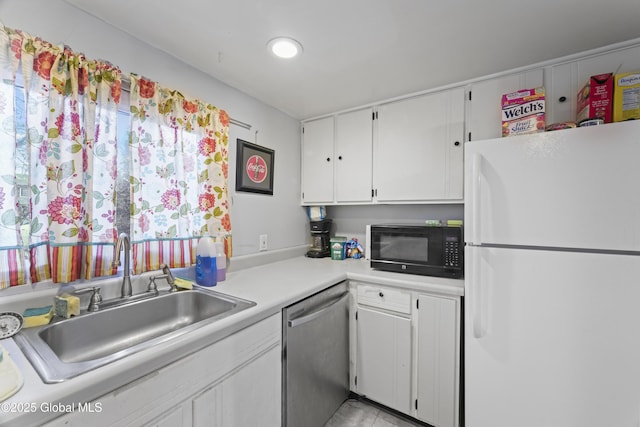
70	347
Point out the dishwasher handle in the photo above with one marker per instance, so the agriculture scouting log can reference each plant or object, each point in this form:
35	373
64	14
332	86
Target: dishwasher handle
316	313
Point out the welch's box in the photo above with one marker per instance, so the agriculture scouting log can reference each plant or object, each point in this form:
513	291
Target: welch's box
523	112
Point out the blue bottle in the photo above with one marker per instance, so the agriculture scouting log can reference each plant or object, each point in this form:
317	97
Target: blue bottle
206	272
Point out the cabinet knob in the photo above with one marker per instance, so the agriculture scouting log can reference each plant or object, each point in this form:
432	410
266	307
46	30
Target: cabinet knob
339	157
328	159
381	295
456	143
562	99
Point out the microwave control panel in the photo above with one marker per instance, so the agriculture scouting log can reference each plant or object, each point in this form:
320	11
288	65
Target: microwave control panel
452	251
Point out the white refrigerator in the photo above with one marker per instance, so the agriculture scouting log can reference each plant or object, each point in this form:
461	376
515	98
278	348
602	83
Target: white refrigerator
552	279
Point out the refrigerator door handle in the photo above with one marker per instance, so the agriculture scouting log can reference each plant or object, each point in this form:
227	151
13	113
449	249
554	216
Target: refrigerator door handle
475	291
476	174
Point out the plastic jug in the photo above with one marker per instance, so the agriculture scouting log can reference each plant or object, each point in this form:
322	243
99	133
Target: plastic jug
206	271
221	262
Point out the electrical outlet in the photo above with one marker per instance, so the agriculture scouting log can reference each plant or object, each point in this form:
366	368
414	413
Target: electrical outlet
263	242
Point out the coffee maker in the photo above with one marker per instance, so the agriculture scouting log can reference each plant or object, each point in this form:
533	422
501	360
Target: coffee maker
320	236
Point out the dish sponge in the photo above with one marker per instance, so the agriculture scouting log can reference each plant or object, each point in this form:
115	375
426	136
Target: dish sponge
37	316
183	283
67	305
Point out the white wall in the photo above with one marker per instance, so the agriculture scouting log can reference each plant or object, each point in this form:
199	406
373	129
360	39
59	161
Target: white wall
279	216
350	221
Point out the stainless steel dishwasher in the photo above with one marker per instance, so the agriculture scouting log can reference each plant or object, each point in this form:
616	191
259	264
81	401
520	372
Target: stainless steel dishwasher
315	362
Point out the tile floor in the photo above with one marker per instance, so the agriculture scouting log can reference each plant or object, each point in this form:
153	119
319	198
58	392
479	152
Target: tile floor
357	413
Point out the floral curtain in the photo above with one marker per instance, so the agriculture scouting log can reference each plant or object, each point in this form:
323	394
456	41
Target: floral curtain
58	114
179	171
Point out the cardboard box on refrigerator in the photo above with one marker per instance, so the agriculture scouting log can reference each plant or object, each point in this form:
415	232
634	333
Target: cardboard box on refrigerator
523	112
595	99
626	98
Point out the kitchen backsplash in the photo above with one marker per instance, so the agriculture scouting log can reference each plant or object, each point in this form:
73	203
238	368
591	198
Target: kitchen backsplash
350	221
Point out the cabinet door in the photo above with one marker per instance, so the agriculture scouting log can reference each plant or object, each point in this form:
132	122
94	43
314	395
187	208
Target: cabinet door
485	102
353	156
317	161
384	358
418	149
438	361
175	417
252	396
563	81
207	408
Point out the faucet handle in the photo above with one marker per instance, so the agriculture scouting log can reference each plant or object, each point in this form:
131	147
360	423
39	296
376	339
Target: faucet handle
96	297
166	274
153	287
170	279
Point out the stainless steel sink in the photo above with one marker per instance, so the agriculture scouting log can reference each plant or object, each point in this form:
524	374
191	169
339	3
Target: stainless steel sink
70	347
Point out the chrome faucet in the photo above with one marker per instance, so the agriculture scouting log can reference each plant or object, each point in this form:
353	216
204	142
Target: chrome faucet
96	298
166	274
123	240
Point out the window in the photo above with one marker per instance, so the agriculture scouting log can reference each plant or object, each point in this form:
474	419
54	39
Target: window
72	140
22	162
123	190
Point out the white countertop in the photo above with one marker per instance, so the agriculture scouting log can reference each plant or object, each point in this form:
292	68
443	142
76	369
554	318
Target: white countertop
271	286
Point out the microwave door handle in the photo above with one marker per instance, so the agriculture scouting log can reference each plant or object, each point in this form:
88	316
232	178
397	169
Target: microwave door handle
476	187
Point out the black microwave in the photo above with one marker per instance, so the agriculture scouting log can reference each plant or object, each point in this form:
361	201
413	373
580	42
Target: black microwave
418	249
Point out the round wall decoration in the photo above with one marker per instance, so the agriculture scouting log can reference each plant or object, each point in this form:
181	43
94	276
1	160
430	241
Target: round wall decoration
257	169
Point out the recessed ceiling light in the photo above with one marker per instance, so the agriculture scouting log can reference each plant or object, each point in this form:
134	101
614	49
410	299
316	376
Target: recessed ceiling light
284	47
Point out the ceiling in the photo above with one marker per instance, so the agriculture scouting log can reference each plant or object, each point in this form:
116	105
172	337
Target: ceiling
358	52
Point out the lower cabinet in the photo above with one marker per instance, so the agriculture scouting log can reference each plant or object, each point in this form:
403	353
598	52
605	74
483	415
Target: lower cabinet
227	403
438	359
234	382
407	352
384	358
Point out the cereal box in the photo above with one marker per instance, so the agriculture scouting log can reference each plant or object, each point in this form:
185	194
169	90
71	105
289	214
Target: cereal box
595	99
626	97
523	112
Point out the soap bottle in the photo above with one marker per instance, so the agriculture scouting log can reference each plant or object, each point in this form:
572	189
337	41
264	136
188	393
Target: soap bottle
221	261
206	272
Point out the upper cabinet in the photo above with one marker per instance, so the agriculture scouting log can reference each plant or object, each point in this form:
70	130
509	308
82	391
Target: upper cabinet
411	150
418	149
485	102
317	161
336	158
354	133
564	80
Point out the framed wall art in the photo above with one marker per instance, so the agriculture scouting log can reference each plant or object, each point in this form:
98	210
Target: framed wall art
254	168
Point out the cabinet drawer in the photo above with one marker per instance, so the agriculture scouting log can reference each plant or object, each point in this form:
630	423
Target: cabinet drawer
385	298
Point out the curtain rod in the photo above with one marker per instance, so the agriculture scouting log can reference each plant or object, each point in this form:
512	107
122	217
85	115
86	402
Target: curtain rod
126	86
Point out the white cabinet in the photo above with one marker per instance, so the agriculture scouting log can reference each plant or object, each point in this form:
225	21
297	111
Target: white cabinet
206	407
317	161
407	351
177	416
354	138
384	346
384	358
251	396
234	382
563	81
484	99
336	158
418	148
438	360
